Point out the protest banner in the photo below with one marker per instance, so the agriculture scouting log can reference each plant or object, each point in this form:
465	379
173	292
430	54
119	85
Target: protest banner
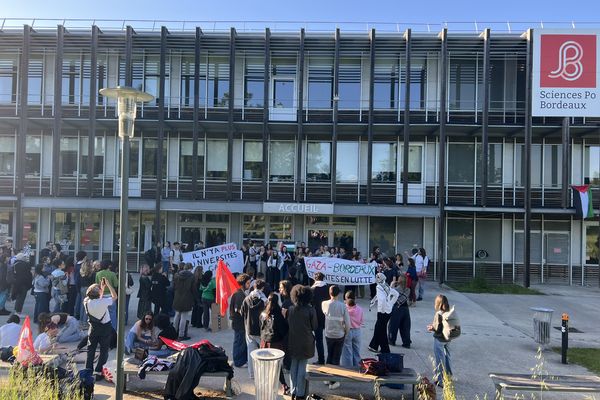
338	271
209	257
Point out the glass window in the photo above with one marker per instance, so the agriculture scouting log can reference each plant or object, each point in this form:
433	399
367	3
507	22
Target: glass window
134	158
65	227
187	82
536	165
33	148
254	228
460	239
98	156
349	85
494	164
102	77
7	155
71	79
220	218
280	228
133	233
382	233
553	167
8	79
283	93
320	82
216	159
149	158
386	83
318	161
418	84
6	225
218	81
34	81
592	165
461	163
343	220
281	161
254	83
68	156
190	217
152	77
591	245
89	233
464	71
186	154
317	220
384	162
347	162
252	160
489	238
415	163
30	228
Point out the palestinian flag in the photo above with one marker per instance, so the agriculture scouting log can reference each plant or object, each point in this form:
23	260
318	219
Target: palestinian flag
582	200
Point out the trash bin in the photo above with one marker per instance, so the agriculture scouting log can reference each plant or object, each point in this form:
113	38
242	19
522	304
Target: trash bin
542	324
267	364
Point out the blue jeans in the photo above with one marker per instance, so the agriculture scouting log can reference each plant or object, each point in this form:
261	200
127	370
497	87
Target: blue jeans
42	304
82	313
351	349
283	273
162	353
442	360
132	342
240	351
127	298
57	302
298	377
166	267
112	312
70	332
319	345
78	306
253	343
421	287
3	297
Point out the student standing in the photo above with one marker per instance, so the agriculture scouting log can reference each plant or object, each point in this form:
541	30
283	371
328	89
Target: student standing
145	299
385	298
351	350
400	319
252	306
273	332
41	285
320	293
183	300
441	338
208	298
240	351
337	326
158	290
108	275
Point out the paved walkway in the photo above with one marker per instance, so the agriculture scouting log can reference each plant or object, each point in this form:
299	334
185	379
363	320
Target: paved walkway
497	335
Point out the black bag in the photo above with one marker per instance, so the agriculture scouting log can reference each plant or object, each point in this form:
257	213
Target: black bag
86	383
371	366
393	361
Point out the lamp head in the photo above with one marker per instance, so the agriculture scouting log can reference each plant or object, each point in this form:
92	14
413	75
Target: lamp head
127	99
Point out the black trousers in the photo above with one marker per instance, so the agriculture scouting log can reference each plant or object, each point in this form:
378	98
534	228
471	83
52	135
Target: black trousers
380	337
100	334
319	345
400	321
334	350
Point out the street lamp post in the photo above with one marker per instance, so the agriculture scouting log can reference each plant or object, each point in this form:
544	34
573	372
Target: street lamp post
127	99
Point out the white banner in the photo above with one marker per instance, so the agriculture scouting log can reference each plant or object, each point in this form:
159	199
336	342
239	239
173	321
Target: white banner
338	271
566	73
209	257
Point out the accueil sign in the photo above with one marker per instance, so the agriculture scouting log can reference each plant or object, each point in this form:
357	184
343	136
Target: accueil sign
297	208
565	73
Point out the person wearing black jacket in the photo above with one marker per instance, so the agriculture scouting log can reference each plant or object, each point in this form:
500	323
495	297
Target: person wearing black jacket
23	280
252	306
320	294
145	300
4	286
158	290
240	351
273	332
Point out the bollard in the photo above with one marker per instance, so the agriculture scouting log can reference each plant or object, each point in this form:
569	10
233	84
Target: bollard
565	337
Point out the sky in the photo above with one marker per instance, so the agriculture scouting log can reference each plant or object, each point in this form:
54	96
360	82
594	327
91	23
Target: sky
399	11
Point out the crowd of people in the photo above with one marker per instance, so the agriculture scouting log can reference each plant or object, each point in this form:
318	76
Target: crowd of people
276	304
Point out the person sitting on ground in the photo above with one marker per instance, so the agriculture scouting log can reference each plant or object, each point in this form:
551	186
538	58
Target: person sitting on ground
9	332
142	334
44	343
69	330
166	330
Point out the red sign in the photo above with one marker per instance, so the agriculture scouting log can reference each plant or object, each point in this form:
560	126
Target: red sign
568	61
27	226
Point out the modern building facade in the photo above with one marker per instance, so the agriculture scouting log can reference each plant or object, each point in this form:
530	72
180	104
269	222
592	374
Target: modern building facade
343	138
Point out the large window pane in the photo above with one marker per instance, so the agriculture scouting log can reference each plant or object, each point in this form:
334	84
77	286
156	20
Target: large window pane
254	228
415	163
384	162
281	161
382	233
150	158
464	79
186	91
30	228
254	83
7	155
318	161
280	228
349	86
347	162
186	157
71	79
489	238
592	165
320	82
98	156
460	239
218	81
591	245
418	84
34	81
89	233
553	167
536	165
216	159
386	82
461	163
65	226
494	163
68	156
252	160
8	79
33	148
283	93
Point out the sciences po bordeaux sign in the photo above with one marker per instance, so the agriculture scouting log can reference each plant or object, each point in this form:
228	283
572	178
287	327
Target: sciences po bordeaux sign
566	73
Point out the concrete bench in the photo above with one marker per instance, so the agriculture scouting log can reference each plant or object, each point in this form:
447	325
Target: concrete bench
130	368
556	383
336	373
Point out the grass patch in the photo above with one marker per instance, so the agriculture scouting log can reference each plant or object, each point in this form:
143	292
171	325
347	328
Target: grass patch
586	357
480	285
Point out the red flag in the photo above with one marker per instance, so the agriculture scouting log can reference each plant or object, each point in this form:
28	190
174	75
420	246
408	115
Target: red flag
26	354
226	286
175	345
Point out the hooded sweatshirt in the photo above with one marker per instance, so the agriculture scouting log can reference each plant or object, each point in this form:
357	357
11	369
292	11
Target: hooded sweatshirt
320	294
184	291
386	296
252	306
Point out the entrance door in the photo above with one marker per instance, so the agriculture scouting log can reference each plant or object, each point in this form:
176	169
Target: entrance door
556	258
416	186
210	235
283	98
331	237
135	169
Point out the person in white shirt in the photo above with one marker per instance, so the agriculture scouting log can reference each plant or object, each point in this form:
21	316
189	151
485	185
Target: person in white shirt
9	333
175	258
45	341
100	331
421	262
385	299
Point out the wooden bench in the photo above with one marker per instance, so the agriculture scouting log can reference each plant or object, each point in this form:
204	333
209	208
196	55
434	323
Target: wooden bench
555	383
46	358
336	373
130	368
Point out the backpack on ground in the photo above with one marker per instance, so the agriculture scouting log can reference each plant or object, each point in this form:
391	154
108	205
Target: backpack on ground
371	366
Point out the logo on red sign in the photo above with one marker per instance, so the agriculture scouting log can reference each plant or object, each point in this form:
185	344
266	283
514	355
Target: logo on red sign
568	61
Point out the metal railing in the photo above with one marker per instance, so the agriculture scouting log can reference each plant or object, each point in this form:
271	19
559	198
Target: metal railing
143	25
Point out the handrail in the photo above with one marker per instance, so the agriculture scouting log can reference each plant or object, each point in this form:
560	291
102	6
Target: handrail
143	25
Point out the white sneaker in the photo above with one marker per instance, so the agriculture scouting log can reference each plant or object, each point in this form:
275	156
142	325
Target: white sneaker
326	383
334	385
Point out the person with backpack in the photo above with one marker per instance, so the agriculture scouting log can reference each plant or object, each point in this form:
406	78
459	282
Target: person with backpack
274	331
59	284
100	332
158	290
252	306
183	300
175	258
107	274
445	327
